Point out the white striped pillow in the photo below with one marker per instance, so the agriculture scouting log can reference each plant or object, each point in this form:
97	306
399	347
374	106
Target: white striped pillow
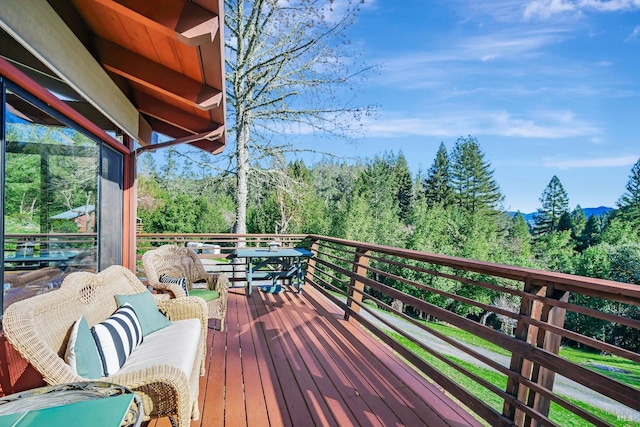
116	337
182	281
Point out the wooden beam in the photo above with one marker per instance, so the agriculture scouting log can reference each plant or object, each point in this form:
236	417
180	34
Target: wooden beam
156	77
213	147
187	22
177	117
167	129
14	75
39	29
206	141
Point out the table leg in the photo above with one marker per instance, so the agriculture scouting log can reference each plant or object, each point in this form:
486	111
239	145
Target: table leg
299	274
249	275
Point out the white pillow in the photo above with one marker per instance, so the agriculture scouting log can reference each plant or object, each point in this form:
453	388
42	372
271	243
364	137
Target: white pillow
116	337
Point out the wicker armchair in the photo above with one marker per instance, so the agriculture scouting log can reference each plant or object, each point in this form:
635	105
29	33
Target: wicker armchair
176	261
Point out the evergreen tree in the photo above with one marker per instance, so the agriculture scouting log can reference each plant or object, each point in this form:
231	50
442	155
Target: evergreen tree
437	185
519	240
565	222
555	202
472	178
404	186
578	221
629	202
592	233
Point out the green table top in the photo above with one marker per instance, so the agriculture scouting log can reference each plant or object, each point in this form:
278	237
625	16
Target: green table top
266	253
106	412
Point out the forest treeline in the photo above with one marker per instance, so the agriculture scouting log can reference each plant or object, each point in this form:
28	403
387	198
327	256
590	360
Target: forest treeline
454	208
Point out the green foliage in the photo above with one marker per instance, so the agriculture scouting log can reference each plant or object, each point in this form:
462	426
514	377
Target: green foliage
437	186
629	202
555	203
578	222
517	244
591	233
404	186
48	170
376	202
555	251
472	178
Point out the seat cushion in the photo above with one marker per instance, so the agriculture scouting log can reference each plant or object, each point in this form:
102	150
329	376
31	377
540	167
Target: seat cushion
205	294
175	345
151	319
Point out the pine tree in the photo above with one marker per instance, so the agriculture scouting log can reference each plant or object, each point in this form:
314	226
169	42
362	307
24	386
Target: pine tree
555	203
578	221
404	186
629	202
592	233
472	178
437	185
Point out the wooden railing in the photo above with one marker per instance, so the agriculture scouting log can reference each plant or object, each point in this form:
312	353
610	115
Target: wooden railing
446	289
215	246
376	284
51	241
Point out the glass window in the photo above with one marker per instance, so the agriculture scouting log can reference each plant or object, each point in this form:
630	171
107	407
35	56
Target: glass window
111	207
51	178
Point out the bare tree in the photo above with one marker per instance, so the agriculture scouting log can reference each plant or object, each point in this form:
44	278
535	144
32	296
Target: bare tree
288	69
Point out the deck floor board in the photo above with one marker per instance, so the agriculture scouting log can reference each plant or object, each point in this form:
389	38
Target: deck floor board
291	360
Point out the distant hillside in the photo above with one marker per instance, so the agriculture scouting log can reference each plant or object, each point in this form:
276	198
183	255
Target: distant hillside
529	217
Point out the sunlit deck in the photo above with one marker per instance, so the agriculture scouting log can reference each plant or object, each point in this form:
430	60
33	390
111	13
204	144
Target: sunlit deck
292	360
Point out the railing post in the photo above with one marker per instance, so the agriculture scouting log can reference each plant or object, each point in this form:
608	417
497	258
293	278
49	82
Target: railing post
311	263
550	342
360	263
527	333
540	338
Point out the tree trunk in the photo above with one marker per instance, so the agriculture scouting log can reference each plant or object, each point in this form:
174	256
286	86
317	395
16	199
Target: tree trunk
242	176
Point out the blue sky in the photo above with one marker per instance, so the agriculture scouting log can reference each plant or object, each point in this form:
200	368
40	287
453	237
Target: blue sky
548	87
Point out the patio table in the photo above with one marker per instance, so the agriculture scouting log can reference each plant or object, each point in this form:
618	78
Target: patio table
94	403
273	264
45	259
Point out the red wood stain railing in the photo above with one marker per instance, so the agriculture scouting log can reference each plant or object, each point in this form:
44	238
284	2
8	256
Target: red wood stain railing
446	288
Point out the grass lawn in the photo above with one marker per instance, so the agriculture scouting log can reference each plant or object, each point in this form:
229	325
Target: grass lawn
590	360
557	413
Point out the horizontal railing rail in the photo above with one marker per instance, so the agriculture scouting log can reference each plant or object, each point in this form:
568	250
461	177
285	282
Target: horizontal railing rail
49	241
525	380
215	249
458	291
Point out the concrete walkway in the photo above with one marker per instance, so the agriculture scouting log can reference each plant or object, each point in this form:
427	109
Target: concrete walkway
563	386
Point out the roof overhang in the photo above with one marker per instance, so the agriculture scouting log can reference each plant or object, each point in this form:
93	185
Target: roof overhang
144	66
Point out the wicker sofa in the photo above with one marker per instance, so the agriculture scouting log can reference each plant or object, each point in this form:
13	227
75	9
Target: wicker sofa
39	328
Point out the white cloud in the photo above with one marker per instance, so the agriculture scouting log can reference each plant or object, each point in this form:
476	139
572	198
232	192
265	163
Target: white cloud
463	60
635	33
547	8
603	162
545	125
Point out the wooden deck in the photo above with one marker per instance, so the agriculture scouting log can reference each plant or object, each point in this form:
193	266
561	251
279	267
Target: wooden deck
291	360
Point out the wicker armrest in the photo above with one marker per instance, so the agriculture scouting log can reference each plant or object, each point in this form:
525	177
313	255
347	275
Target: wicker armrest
183	308
174	289
162	389
218	282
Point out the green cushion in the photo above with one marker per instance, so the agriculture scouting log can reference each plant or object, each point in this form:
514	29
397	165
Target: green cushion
82	353
150	318
204	294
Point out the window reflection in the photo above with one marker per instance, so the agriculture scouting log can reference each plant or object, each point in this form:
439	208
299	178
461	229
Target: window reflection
51	190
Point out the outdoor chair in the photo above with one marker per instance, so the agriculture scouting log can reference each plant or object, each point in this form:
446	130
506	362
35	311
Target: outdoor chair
179	272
